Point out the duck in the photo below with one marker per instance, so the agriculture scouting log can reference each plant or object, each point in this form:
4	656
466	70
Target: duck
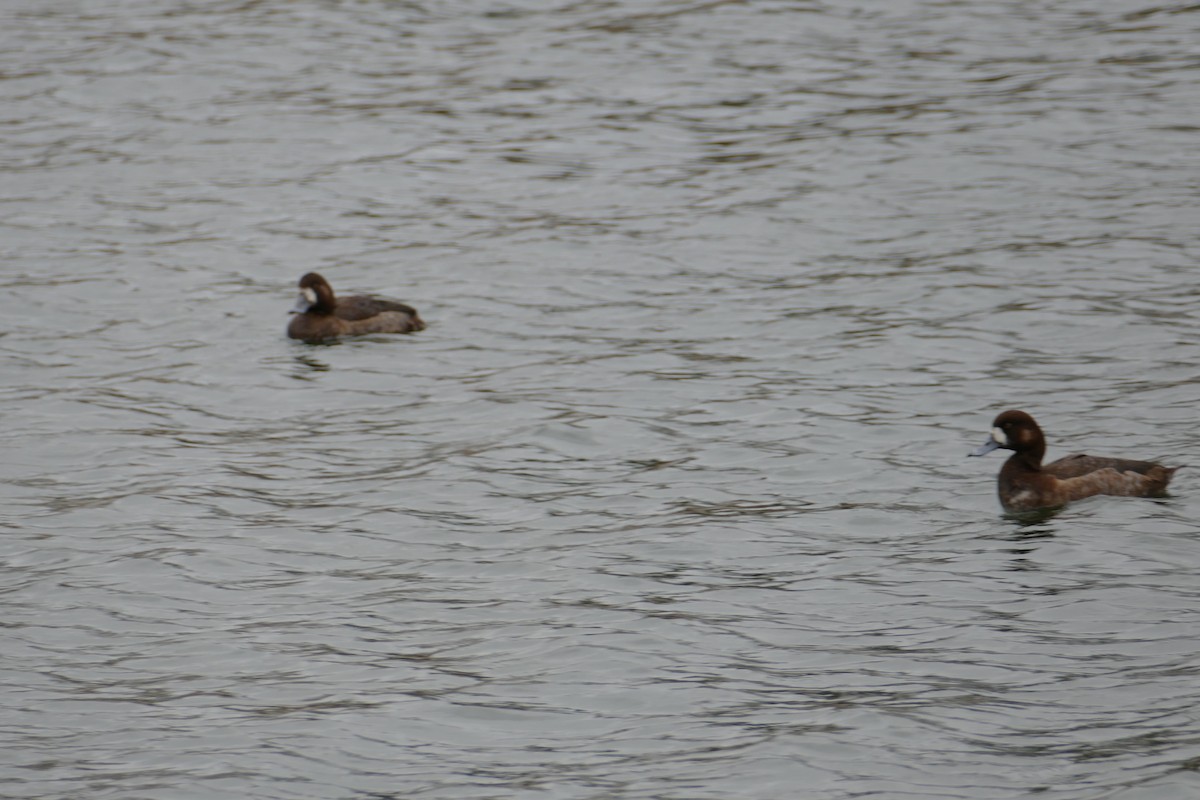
1026	484
321	315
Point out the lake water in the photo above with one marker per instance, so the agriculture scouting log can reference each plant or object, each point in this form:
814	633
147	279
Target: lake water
671	500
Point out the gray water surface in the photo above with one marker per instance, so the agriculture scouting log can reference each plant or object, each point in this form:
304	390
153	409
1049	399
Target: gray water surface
671	499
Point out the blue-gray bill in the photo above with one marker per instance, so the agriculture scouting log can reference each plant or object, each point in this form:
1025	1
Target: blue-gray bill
987	447
302	305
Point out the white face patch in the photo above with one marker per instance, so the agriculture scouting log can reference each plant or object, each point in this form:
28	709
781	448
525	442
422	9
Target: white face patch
309	295
998	437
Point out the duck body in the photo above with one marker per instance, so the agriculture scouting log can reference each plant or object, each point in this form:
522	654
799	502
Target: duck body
321	315
1025	484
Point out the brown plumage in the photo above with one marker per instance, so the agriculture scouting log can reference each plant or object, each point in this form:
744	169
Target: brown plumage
321	315
1026	484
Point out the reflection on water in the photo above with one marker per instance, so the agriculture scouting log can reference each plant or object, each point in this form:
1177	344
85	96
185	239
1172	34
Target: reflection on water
669	500
306	366
1033	519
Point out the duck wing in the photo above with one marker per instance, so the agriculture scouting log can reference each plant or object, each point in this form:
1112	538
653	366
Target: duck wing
1080	464
1081	475
361	306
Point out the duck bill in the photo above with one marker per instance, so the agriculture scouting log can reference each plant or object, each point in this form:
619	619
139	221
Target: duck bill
302	305
987	447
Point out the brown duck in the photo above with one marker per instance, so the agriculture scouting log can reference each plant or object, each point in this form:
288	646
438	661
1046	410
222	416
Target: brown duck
1026	484
321	315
